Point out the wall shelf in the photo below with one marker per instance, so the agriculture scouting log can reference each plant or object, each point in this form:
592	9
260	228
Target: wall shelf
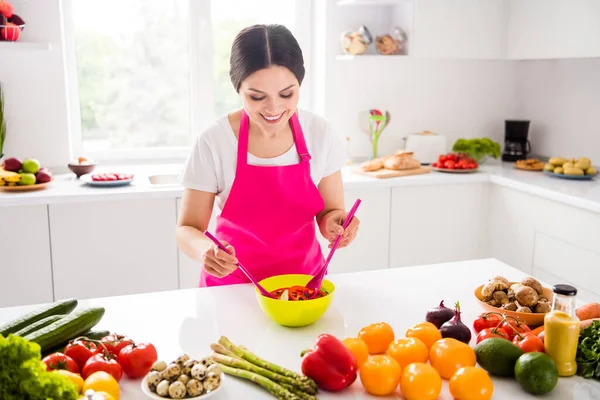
372	2
26	46
349	57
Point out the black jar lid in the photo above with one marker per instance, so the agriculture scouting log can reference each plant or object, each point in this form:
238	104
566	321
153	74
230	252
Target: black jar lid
565	290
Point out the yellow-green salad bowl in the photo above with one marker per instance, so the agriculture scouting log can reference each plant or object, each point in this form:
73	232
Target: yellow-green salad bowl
294	313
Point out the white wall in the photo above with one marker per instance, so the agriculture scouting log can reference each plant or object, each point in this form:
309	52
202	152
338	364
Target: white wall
562	100
35	88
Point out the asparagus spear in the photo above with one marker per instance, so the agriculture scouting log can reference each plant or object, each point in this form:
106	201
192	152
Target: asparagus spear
253	358
236	362
273	388
299	393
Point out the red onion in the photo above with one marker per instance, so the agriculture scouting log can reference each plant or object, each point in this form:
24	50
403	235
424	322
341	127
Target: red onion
455	328
438	315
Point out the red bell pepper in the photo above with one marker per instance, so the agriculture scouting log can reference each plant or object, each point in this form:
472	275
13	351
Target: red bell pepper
330	364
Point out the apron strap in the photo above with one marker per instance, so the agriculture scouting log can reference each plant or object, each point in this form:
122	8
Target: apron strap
242	150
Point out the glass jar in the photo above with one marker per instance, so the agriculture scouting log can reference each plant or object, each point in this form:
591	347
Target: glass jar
561	327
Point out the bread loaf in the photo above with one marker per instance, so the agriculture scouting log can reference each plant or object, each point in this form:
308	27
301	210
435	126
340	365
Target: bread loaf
401	161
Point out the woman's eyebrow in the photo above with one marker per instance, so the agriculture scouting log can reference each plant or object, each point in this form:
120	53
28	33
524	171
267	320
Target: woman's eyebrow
258	91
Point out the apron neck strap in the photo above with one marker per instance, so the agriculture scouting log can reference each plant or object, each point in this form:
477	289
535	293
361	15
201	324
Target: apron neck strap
242	153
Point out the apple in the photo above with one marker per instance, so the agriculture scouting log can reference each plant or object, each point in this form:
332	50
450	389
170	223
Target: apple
43	176
27	179
31	165
11	164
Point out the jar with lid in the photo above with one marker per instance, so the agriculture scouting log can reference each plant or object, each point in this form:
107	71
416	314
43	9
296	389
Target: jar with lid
561	330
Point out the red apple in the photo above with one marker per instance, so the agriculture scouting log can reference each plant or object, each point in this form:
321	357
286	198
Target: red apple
12	164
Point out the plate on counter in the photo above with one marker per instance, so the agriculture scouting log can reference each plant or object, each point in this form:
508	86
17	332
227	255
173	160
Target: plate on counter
573	177
455	171
125	179
24	188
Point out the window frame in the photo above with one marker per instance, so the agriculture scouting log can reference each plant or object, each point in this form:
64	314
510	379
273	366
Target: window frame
201	93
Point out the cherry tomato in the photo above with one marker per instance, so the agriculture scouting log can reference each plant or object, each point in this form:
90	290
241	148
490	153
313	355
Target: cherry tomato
510	326
60	361
529	343
380	375
80	351
115	342
490	333
377	336
449	164
420	381
137	359
485	321
471	383
102	362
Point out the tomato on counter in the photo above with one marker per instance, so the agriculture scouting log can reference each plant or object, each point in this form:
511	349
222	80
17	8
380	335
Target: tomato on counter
60	361
137	359
80	351
102	362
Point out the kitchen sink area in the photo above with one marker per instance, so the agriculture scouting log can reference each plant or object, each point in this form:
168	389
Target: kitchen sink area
164	179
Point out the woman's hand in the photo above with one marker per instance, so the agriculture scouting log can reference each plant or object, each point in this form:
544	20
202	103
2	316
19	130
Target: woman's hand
217	262
332	227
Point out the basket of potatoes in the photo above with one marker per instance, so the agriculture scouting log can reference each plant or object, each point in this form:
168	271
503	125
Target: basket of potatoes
527	300
184	378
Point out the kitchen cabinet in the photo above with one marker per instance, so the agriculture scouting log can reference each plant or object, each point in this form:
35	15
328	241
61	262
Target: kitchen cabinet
460	29
543	29
112	248
370	249
25	256
550	240
189	270
438	223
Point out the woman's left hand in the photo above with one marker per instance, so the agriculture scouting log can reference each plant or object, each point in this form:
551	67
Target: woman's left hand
333	227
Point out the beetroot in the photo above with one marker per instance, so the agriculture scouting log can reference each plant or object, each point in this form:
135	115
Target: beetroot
454	328
438	315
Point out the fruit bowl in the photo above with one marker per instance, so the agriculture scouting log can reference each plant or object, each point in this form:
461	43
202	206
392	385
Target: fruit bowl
531	319
151	395
294	313
23	188
81	170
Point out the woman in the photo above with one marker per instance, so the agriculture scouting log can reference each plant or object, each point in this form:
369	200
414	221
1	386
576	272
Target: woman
273	171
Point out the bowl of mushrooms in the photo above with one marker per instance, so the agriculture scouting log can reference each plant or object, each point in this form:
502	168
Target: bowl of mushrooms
184	378
526	300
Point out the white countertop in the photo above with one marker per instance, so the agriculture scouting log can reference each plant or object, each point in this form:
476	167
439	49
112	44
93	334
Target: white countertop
190	320
66	188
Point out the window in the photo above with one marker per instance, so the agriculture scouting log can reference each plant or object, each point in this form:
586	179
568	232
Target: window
148	74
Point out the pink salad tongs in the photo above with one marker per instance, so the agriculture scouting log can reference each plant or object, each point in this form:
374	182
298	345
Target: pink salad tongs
262	290
315	282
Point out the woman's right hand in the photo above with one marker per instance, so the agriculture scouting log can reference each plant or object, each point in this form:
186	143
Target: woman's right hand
217	262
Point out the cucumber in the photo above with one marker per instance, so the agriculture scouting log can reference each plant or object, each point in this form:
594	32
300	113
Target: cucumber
37	325
96	335
59	307
66	328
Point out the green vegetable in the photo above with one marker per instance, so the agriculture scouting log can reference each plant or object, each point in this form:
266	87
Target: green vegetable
24	376
96	335
38	325
59	307
477	148
67	328
588	351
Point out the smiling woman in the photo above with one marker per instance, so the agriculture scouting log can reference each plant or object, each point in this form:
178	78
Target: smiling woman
273	169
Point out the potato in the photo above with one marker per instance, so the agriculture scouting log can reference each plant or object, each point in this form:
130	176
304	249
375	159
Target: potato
573	171
533	283
583	163
568	165
526	296
557	161
558	170
549	167
590	171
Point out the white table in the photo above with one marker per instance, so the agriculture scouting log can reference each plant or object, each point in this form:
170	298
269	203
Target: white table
190	320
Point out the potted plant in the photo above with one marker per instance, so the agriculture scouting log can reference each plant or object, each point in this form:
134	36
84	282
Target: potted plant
2	122
478	149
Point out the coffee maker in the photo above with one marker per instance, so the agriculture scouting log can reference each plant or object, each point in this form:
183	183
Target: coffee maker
516	144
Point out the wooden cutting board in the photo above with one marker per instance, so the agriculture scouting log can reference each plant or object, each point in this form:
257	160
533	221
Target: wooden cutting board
389	173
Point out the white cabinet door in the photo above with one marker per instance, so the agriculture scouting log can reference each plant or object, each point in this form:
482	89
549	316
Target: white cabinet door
460	29
113	248
25	264
189	270
549	29
438	223
370	249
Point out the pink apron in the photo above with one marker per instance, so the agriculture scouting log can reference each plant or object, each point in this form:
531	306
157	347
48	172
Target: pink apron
269	216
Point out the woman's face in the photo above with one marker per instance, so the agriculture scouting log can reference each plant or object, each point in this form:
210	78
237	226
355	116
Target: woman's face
270	97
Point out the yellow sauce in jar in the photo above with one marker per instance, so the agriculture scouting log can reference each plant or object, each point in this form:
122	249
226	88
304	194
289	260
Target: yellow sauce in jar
560	341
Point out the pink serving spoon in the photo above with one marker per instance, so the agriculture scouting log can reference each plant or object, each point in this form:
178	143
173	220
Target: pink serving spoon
315	282
262	290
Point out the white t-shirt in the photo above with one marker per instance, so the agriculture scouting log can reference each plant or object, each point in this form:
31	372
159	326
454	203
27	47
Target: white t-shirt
211	164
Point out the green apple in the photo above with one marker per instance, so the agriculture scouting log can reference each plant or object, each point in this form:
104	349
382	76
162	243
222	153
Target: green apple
31	165
27	178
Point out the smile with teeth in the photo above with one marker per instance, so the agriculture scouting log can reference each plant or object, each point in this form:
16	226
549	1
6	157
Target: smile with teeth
272	118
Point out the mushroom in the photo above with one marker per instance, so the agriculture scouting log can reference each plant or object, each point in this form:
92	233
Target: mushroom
526	296
542	299
194	388
543	307
163	388
512	306
182	359
522	309
489	288
183	378
172	372
211	382
159	366
500	297
154	378
177	390
501	279
534	284
199	372
493	303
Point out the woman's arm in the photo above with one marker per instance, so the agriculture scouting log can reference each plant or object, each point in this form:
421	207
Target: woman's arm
331	218
194	216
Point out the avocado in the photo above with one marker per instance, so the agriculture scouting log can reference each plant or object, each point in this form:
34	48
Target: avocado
498	356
